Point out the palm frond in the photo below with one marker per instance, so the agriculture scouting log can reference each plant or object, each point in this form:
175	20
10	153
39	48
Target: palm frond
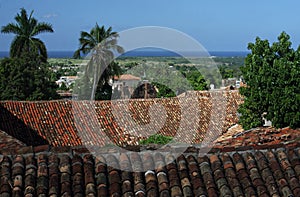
40	46
32	23
22	19
76	54
26	28
11	28
119	49
87	36
41	28
102	44
17	46
21	16
85	41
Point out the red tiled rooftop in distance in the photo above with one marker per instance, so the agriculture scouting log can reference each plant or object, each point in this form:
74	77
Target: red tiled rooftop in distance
35	122
127	77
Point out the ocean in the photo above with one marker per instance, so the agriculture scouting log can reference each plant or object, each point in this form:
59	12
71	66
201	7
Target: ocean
140	53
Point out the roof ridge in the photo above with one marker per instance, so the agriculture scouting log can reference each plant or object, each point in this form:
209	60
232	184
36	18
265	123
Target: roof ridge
107	150
126	99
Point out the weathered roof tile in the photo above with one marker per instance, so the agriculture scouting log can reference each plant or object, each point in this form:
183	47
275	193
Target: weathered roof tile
249	173
58	123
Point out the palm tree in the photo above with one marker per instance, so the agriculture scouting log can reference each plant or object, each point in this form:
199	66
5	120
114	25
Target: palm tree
101	44
26	28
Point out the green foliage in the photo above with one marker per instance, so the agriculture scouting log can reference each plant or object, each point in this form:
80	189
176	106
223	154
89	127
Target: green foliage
26	28
64	69
230	66
90	40
163	91
195	75
169	80
157	139
129	65
196	80
104	92
63	87
175	75
26	78
26	75
101	43
272	75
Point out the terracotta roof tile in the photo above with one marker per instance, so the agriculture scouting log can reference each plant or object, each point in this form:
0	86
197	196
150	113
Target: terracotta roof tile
249	173
52	122
8	142
259	138
127	77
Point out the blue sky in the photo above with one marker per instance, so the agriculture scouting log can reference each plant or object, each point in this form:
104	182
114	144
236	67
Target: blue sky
218	25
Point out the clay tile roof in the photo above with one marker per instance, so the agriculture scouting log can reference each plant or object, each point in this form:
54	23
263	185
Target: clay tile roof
127	77
54	123
258	138
8	142
274	172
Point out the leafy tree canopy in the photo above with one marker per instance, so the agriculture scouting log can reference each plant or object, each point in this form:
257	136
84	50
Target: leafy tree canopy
272	75
26	78
26	74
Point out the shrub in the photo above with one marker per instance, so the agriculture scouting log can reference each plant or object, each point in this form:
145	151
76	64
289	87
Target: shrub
157	139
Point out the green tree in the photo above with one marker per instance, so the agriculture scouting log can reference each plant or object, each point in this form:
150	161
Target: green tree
272	75
101	43
63	86
197	80
26	28
164	91
105	93
26	78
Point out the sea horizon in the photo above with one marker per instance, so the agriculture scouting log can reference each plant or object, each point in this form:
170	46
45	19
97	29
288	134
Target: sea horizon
148	53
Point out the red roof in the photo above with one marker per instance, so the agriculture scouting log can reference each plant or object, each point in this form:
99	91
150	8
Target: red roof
259	138
54	122
127	77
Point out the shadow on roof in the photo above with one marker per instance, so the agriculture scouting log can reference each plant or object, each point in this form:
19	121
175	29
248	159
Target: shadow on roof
18	129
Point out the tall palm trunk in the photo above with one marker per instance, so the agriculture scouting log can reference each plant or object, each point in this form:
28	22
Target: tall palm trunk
100	43
95	81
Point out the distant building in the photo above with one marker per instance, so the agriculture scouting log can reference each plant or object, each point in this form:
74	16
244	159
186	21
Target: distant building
67	80
124	85
233	83
67	95
145	90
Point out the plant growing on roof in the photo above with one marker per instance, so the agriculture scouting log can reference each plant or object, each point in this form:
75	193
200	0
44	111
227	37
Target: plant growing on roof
157	139
100	43
26	28
272	75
